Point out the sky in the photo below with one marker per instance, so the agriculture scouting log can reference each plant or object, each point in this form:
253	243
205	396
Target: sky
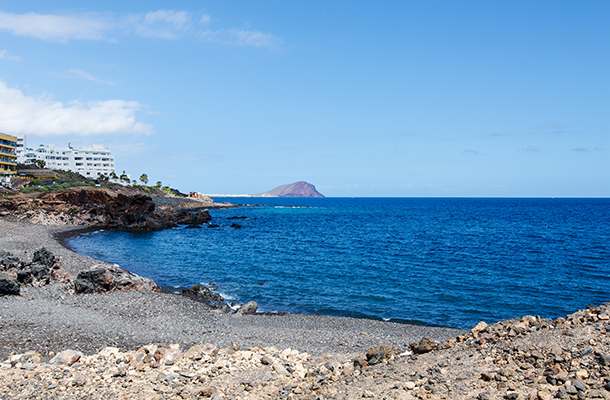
360	98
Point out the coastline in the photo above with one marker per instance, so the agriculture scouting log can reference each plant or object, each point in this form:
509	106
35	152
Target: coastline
151	345
163	317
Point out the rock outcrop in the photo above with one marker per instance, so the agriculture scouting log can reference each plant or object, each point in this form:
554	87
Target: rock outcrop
99	208
42	270
46	268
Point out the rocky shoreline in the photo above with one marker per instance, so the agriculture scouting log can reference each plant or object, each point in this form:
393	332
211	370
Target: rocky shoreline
144	344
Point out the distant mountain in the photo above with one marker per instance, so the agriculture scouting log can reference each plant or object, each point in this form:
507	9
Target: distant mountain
297	189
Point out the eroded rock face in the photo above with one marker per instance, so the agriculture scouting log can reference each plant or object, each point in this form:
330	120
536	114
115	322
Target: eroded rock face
106	278
97	208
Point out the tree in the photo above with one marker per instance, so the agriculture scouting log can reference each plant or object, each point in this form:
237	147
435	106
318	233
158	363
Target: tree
144	178
158	185
113	175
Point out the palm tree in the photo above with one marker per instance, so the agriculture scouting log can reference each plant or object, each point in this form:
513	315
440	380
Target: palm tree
144	178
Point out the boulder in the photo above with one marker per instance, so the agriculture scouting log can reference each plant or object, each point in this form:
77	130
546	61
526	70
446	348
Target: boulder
36	273
9	286
8	261
66	357
107	278
249	308
44	257
198	218
205	294
424	346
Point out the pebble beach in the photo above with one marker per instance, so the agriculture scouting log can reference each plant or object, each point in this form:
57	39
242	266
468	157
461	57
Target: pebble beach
152	345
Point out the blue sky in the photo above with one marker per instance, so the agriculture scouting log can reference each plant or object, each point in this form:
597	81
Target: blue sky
360	98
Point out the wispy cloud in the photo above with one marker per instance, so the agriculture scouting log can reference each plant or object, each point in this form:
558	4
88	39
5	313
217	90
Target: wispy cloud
473	152
73	72
530	149
4	54
585	149
43	116
240	37
59	28
160	24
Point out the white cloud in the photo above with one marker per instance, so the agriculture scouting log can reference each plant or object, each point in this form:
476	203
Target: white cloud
160	24
240	37
6	56
73	72
56	27
42	116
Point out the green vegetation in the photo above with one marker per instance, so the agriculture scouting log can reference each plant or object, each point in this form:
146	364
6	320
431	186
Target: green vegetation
35	182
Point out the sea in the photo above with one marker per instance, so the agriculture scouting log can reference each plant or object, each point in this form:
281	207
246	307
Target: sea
433	261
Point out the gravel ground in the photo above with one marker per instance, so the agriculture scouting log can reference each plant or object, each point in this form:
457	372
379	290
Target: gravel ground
52	318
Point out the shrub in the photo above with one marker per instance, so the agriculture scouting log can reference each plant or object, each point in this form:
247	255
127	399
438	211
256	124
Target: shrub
35	182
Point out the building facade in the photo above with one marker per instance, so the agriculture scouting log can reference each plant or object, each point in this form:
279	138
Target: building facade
8	157
90	161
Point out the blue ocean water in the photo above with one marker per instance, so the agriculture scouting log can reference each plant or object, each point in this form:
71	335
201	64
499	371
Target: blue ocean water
441	261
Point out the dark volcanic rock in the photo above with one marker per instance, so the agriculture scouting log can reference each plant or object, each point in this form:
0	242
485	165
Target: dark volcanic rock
35	273
8	261
44	257
189	218
203	293
102	278
8	285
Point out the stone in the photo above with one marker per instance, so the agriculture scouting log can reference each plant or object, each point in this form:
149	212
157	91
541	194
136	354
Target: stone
44	257
35	273
280	369
204	293
167	355
579	385
249	308
478	328
66	357
511	396
79	380
424	346
8	261
108	278
410	385
266	360
9	286
375	355
603	359
582	374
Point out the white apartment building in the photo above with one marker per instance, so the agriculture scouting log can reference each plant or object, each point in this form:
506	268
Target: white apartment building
90	161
